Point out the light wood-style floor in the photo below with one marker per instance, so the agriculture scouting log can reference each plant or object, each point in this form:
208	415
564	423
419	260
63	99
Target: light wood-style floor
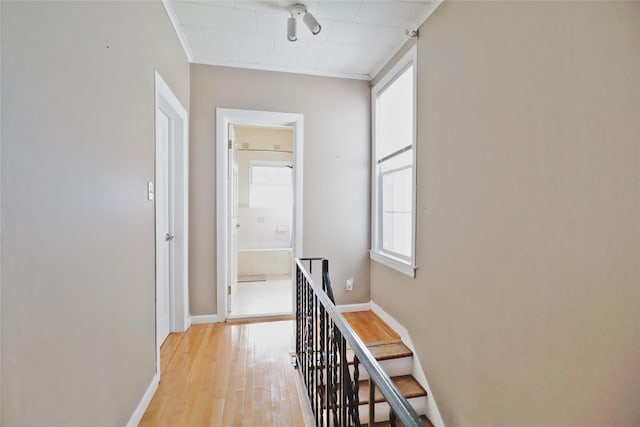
229	375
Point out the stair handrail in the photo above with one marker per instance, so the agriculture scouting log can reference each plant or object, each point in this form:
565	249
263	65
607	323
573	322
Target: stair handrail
401	410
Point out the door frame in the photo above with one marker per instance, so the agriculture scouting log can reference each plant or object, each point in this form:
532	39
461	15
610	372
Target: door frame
224	117
168	103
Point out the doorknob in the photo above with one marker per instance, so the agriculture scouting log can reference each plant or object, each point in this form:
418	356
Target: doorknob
169	237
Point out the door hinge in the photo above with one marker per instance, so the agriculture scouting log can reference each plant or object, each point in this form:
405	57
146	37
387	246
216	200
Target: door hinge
228	290
230	144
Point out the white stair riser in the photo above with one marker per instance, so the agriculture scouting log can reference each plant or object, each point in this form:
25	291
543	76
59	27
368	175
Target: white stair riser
419	404
392	367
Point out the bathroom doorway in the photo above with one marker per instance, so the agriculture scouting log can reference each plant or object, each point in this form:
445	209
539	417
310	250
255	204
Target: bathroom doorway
262	201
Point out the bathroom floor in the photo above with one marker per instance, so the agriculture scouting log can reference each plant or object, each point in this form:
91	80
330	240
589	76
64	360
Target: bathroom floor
272	296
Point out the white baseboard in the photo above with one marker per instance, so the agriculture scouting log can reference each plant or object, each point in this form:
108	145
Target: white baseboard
418	373
144	403
346	308
207	318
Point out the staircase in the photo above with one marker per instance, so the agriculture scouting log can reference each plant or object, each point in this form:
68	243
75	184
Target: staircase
355	368
396	360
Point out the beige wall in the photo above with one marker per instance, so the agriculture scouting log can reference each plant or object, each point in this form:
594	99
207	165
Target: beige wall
336	169
78	316
525	308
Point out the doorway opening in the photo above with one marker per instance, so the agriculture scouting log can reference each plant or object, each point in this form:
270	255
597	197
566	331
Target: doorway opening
263	202
170	193
259	212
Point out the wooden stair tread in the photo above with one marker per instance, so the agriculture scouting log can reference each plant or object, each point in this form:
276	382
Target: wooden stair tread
407	385
424	419
370	328
394	350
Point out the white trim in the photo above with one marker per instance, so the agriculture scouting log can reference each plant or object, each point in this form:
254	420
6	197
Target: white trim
410	58
263	67
138	413
348	308
168	7
207	318
169	104
224	117
392	262
432	411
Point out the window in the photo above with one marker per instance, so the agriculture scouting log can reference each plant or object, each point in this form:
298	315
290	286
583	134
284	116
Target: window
270	184
393	168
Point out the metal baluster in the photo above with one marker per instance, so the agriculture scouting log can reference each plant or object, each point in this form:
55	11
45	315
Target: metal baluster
327	362
304	330
310	347
356	390
334	376
323	364
304	335
392	418
344	373
298	313
372	402
316	385
306	343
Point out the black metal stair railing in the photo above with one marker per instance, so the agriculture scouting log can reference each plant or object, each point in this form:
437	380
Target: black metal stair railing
322	339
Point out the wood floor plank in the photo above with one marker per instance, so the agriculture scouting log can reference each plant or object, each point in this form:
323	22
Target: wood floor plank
228	375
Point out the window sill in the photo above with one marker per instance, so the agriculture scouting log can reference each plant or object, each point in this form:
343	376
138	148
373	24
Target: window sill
393	262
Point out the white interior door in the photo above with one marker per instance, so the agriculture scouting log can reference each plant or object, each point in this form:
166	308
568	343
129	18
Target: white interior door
233	217
163	228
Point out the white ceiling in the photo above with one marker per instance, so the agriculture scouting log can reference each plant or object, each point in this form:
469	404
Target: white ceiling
358	36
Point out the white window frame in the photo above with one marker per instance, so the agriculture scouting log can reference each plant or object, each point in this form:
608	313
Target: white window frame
405	266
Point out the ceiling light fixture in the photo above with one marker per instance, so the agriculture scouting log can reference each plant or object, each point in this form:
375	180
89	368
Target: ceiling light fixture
297	11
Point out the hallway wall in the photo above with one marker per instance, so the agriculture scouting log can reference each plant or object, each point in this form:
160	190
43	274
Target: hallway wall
525	307
78	263
336	169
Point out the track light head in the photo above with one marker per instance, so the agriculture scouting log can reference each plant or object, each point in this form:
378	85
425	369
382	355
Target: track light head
291	29
311	22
